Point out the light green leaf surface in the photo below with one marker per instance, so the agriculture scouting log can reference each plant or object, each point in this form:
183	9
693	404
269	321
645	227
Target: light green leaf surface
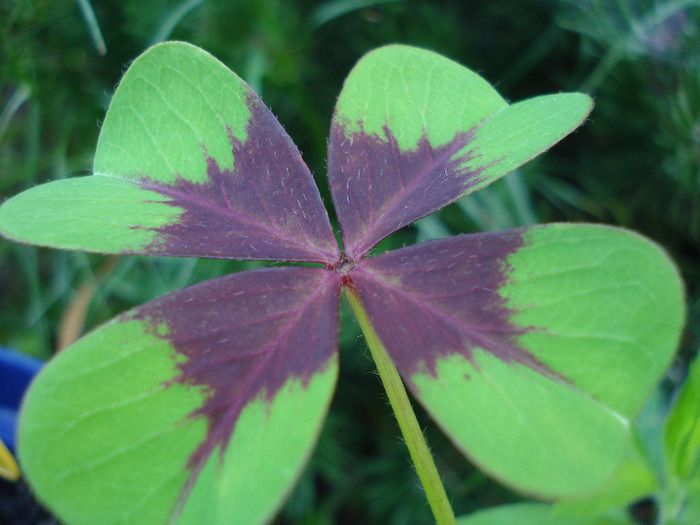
174	101
599	299
525	129
106	214
411	93
633	481
532	514
681	504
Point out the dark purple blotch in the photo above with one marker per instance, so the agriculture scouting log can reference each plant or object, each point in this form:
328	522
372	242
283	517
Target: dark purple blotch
378	188
267	208
440	298
245	335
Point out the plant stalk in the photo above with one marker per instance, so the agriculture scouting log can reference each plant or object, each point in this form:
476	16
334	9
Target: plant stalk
415	441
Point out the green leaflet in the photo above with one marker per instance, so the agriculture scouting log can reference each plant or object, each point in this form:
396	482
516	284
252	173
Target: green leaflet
190	162
106	214
173	415
681	444
682	429
107	450
413	131
540	391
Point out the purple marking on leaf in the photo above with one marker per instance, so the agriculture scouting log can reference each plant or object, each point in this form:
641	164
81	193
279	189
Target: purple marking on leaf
440	298
267	208
377	188
245	335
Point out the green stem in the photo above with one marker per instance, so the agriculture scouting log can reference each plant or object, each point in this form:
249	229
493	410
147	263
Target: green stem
93	26
417	447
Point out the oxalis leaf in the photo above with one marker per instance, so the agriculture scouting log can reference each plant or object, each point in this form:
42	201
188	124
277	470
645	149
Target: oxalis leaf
532	348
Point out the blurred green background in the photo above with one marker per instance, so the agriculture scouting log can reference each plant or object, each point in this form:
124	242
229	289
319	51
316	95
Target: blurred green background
635	163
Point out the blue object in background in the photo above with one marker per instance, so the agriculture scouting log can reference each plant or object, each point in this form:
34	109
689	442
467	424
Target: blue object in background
16	371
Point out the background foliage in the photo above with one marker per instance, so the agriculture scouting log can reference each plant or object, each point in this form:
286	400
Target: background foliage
636	163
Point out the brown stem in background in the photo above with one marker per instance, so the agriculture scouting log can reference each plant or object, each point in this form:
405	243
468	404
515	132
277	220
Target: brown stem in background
72	323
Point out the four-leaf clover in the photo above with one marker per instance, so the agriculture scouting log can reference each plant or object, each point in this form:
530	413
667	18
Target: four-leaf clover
533	348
